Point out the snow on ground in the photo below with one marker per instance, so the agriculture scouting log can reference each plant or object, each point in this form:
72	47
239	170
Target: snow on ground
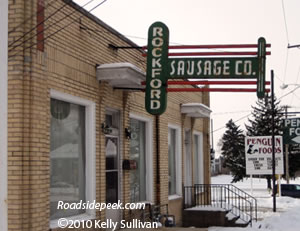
286	217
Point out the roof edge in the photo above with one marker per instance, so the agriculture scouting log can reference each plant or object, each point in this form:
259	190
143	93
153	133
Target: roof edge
99	22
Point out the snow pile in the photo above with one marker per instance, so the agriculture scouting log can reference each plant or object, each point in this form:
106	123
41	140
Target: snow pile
286	218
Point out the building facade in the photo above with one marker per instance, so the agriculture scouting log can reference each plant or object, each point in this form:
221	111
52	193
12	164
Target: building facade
77	132
3	113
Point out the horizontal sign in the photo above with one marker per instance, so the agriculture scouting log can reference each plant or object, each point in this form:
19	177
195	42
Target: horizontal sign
291	131
213	68
259	155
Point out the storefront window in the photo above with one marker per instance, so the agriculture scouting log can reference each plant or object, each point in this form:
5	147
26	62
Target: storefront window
68	157
137	153
112	170
172	160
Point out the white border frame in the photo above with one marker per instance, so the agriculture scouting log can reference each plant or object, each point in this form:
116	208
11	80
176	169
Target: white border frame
178	150
201	159
190	136
149	153
90	138
3	113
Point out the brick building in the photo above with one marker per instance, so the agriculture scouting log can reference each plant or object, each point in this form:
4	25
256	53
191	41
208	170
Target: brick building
73	124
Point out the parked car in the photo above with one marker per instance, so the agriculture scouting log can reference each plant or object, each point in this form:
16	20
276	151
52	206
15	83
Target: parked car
290	190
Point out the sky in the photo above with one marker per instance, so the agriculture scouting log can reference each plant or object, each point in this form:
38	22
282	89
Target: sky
207	22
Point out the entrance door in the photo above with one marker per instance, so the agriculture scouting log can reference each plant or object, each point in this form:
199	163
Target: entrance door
112	176
188	166
113	182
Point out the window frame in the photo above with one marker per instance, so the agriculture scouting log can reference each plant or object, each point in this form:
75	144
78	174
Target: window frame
90	152
201	159
178	164
148	153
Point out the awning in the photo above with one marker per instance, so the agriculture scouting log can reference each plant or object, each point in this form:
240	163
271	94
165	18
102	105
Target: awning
196	110
121	75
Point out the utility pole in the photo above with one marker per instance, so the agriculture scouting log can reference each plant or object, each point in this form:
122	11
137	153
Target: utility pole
287	175
273	142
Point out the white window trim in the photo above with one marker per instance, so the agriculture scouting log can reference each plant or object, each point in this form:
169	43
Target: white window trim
149	153
178	155
90	139
3	114
201	159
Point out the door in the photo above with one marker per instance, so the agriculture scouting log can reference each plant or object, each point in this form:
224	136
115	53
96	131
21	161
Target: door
112	176
112	152
188	166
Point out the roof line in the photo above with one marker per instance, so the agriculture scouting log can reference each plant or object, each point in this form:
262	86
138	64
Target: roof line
99	22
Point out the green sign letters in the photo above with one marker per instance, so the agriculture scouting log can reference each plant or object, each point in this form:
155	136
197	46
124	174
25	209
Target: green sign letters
160	68
205	68
291	131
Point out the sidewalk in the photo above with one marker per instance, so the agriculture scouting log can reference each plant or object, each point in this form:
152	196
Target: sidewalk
168	229
184	229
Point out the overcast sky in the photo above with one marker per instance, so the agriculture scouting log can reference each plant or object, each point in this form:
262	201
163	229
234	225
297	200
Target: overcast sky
199	22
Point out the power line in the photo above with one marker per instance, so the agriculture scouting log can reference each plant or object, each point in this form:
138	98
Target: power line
294	94
287	37
49	36
218	129
57	10
285	23
26	33
290	92
286	63
230	112
31	16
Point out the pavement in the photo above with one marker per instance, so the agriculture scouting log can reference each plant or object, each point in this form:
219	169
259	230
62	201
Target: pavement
168	229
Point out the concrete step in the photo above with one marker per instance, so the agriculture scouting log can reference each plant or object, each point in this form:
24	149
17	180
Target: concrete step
212	217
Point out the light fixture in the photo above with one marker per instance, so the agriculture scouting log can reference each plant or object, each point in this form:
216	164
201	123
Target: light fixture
106	129
128	133
284	85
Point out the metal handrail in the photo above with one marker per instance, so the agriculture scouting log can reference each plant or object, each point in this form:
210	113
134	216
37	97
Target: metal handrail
225	196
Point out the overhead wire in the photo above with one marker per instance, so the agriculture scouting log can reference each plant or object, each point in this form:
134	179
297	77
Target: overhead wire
33	28
230	112
220	128
285	21
61	28
128	36
51	25
286	64
30	17
287	37
294	94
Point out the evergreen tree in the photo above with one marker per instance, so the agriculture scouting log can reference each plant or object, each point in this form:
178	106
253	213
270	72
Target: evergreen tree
261	124
233	151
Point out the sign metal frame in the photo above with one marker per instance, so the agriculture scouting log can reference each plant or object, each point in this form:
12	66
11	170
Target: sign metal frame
160	67
258	155
291	126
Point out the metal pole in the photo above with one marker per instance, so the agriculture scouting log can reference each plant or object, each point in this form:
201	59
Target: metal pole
157	160
251	177
287	175
273	142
